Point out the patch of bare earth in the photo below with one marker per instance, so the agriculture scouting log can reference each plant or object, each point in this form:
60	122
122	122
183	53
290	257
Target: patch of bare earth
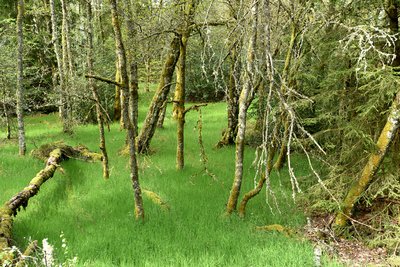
348	252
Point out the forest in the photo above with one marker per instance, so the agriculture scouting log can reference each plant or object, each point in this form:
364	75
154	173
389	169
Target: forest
199	133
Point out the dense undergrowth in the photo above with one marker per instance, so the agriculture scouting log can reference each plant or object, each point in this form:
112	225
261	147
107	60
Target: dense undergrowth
96	215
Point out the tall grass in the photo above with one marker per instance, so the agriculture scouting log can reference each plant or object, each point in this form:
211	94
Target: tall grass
97	216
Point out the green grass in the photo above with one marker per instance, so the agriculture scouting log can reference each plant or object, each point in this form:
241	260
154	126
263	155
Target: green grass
97	219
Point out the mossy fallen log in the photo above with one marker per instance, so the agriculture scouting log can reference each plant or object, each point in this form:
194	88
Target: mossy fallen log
10	208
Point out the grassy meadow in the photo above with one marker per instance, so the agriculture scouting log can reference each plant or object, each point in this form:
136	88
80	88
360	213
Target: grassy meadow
97	216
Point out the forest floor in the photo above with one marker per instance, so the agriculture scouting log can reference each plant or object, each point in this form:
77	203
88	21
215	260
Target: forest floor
96	217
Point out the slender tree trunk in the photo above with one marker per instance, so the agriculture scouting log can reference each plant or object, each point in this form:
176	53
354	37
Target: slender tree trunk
95	94
6	115
20	79
149	126
244	102
117	97
66	61
63	97
252	193
372	166
179	102
280	161
121	55
163	112
179	97
228	138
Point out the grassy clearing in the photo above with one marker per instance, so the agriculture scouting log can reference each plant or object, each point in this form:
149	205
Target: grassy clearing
96	216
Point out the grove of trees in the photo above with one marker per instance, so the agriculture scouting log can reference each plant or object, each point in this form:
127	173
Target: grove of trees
315	78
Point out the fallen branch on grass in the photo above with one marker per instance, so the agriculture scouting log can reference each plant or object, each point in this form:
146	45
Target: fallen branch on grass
58	153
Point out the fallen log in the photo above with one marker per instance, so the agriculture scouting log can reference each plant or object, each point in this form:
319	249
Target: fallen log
59	153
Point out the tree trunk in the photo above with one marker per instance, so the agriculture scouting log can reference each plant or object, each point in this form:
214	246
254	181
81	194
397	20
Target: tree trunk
163	112
20	79
252	193
6	115
102	145
179	103
63	97
121	55
150	123
372	166
179	97
66	61
244	102
117	97
228	138
280	161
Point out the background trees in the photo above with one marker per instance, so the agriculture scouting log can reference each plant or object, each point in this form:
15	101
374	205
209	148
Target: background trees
315	77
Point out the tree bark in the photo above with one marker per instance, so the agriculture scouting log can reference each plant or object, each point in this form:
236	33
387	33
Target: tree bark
229	135
121	55
163	113
280	161
117	97
66	59
20	79
55	41
149	126
179	97
372	166
244	102
102	145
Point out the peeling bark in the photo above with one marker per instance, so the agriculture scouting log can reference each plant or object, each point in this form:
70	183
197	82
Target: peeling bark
370	169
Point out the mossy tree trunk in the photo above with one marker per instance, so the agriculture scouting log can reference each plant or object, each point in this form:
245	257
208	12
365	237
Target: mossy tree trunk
92	86
149	126
163	113
244	102
228	138
372	166
20	79
234	86
282	155
59	152
122	65
117	96
179	97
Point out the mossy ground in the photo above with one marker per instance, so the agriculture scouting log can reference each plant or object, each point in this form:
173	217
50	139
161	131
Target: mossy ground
96	215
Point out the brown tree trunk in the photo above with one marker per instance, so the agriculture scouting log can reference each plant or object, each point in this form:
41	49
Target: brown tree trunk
149	126
117	97
163	113
244	102
102	145
228	138
372	166
20	79
121	55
